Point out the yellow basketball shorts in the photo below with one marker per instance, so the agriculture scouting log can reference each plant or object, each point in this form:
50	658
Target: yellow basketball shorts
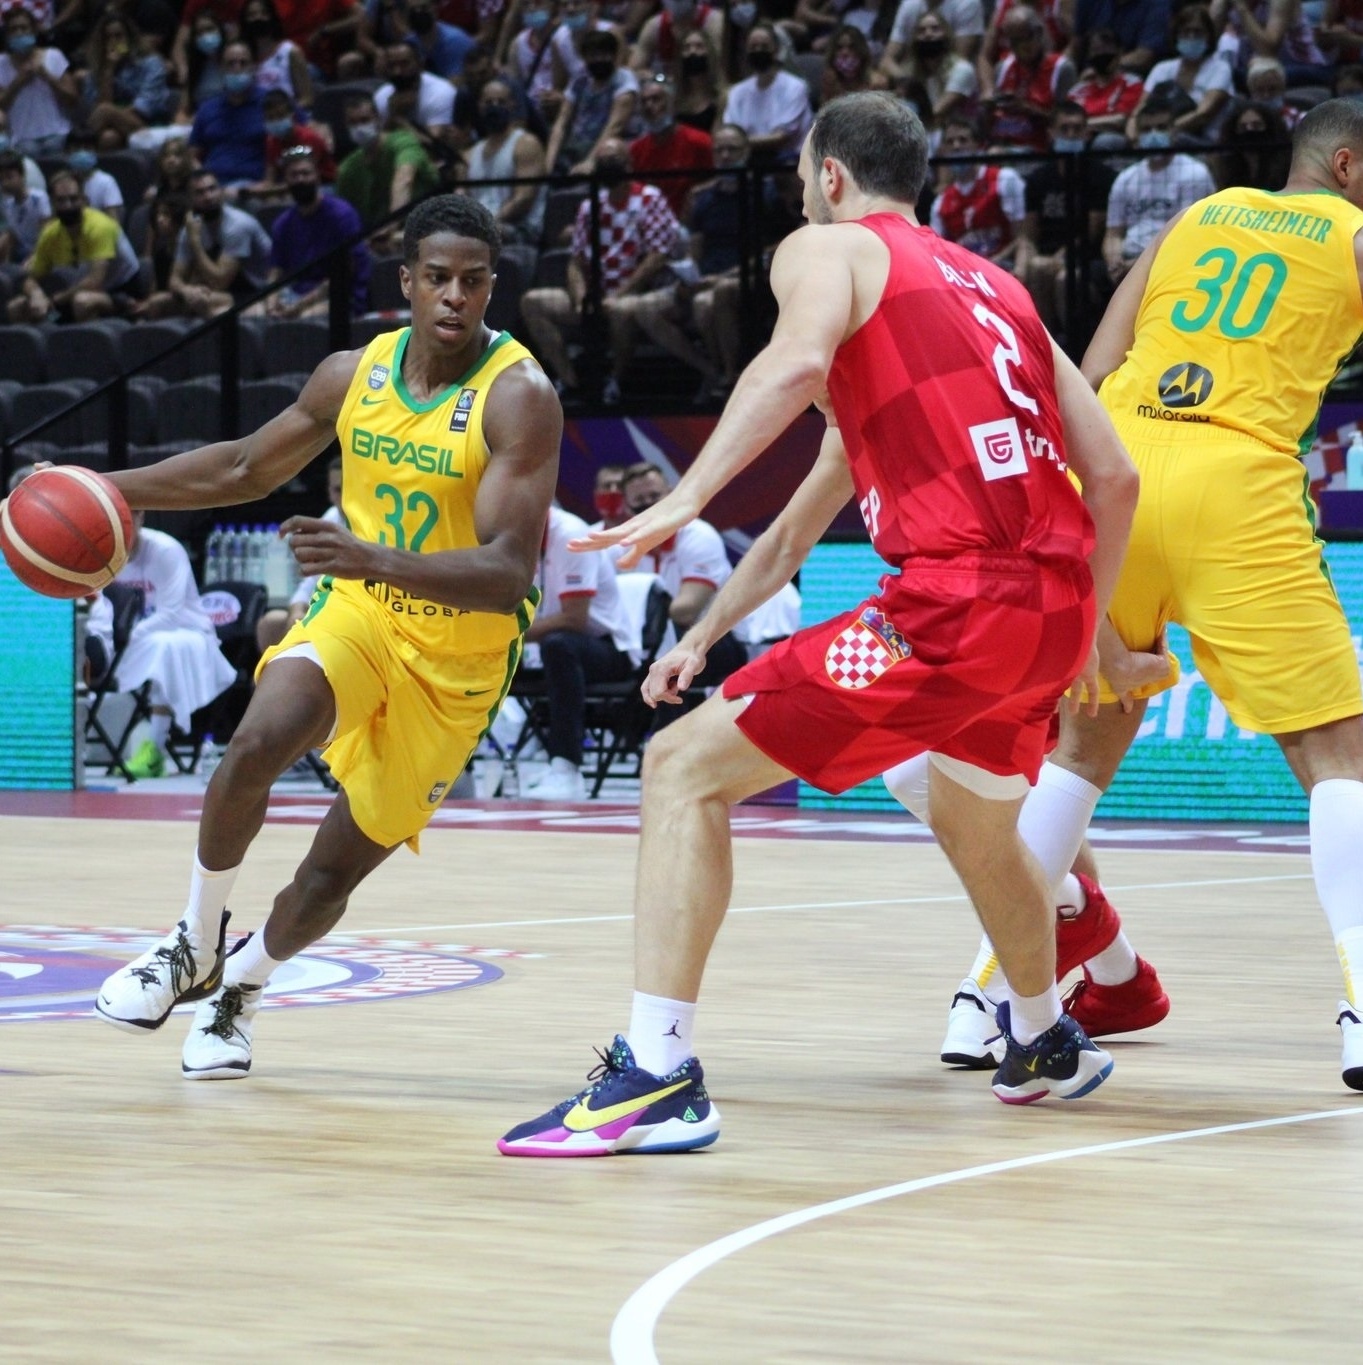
1224	544
403	734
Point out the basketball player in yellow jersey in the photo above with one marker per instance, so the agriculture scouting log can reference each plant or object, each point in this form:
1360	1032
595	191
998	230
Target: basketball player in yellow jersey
1211	360
450	438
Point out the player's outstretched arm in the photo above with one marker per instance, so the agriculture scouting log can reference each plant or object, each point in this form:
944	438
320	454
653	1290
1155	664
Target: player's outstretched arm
767	567
523	424
230	472
811	276
1109	480
1117	331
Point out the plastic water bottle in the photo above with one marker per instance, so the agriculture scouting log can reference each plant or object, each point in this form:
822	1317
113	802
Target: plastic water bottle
277	559
231	554
1353	463
511	782
259	548
213	556
208	757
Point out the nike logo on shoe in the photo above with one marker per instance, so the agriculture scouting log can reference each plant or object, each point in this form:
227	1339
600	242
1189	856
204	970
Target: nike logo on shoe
582	1118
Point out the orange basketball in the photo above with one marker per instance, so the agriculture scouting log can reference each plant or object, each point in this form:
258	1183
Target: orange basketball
65	531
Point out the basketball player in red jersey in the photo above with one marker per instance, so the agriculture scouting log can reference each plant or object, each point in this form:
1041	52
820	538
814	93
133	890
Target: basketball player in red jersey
951	419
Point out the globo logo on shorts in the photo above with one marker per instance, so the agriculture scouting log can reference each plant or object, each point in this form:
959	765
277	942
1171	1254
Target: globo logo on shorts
1185	385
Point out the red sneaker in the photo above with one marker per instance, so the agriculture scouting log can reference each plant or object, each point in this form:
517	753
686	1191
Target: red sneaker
1082	938
1135	1004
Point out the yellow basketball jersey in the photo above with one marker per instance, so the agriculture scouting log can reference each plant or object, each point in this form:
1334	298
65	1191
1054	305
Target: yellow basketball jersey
410	474
1252	306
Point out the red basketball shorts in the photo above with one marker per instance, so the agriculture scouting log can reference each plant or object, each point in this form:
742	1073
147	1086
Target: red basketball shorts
964	657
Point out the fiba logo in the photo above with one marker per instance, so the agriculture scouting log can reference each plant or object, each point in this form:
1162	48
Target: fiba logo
1185	385
999	448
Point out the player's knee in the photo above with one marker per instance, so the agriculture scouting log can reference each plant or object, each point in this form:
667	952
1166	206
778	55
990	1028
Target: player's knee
908	784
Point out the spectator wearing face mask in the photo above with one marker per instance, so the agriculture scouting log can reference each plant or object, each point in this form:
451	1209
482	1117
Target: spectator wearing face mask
983	206
228	135
599	105
1107	94
667	145
417	100
508	152
198	17
964	20
202	74
1266	82
701	91
1199	71
99	187
388	169
771	105
660	40
1256	151
440	47
222	257
280	64
124	88
304	234
1141	26
282	131
542	57
931	61
1146	195
1271	28
37	88
848	66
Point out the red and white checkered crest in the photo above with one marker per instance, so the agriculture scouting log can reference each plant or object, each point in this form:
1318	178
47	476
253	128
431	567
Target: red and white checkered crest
857	657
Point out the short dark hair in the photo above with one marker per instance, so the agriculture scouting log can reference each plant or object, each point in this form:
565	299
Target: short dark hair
1163	99
58	176
1332	124
361	100
456	214
879	139
11	161
1064	108
600	42
81	136
201	173
641	469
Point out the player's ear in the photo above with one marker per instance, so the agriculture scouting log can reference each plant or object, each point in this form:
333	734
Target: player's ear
405	281
833	174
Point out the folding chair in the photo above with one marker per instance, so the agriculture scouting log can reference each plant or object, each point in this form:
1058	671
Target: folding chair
127	604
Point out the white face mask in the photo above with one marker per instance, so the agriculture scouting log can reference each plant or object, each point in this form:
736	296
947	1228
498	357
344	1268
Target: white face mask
362	134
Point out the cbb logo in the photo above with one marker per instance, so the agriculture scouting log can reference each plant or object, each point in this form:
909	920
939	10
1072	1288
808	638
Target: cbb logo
1185	385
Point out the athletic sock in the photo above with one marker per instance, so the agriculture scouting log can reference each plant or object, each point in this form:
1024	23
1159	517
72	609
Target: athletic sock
1070	900
208	893
1029	1016
250	965
986	972
1054	818
661	1032
1337	862
1115	965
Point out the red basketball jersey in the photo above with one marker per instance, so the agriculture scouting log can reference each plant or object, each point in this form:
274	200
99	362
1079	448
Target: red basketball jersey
945	398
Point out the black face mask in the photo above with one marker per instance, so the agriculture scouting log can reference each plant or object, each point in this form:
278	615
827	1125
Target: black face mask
70	217
611	170
496	118
761	60
258	28
601	70
407	82
304	194
423	21
1103	62
211	215
929	49
695	64
1253	135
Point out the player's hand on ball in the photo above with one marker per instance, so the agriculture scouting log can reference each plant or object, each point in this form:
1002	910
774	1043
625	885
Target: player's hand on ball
322	547
671	675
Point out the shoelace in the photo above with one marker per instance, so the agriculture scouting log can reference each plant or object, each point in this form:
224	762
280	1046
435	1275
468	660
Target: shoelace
225	1014
178	959
605	1069
1076	991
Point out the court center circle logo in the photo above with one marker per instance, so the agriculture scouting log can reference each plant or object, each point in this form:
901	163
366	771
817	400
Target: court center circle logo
48	972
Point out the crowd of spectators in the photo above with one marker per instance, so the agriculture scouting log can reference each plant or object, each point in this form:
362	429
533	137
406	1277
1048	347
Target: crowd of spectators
217	145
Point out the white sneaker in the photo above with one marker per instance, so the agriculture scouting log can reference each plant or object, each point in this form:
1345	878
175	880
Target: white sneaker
219	1042
973	1040
181	968
1351	1026
563	782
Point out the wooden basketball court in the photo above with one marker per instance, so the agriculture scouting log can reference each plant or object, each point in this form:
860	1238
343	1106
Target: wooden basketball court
346	1202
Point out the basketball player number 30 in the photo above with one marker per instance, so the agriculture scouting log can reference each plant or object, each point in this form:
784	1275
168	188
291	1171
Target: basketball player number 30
1006	353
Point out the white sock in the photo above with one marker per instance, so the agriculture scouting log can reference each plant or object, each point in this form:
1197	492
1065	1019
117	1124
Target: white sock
1054	819
660	1032
1029	1016
1070	900
1337	861
986	972
250	965
1115	965
160	728
208	893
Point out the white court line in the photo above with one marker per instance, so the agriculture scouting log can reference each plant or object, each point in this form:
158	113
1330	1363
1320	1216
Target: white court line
634	1325
795	905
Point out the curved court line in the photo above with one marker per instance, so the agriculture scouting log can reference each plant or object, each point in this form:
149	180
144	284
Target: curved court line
802	905
634	1325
